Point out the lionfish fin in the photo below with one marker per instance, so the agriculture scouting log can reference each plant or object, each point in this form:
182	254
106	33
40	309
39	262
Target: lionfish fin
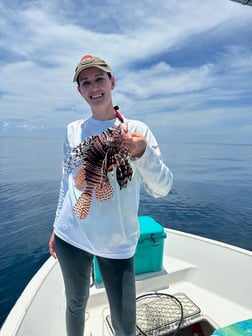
82	205
80	178
104	192
123	175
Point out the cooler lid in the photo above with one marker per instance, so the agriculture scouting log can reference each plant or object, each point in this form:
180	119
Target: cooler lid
148	227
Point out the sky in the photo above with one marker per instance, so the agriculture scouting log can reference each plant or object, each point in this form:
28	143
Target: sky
182	67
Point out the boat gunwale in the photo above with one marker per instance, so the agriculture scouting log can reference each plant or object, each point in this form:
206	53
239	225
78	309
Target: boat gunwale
210	241
16	315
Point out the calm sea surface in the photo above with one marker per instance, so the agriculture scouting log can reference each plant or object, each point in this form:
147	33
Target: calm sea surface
211	196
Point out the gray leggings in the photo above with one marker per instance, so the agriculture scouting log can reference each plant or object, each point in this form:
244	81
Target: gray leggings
119	281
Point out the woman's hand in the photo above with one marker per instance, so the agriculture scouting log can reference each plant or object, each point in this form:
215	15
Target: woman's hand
135	143
51	246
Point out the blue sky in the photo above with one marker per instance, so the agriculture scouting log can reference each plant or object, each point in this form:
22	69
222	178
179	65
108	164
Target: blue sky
183	67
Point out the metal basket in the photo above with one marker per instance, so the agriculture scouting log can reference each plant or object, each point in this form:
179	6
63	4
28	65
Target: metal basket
158	314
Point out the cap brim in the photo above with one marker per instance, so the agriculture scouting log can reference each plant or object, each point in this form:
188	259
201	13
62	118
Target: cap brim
85	66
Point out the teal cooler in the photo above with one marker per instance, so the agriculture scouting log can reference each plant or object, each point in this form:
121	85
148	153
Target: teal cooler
149	251
150	247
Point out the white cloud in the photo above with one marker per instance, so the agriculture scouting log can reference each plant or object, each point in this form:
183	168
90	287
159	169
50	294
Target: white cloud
149	46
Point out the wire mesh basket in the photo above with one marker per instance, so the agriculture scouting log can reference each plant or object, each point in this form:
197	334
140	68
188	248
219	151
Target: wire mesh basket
158	314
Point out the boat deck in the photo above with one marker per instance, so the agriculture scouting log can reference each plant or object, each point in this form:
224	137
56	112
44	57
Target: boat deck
179	279
218	283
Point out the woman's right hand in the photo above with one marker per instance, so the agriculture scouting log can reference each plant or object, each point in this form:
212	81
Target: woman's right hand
51	246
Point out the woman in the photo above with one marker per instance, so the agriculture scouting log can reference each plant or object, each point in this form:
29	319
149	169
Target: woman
109	228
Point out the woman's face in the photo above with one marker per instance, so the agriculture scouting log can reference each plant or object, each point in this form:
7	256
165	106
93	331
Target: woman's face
95	87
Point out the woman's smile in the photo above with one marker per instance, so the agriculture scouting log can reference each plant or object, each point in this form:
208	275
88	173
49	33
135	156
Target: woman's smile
97	96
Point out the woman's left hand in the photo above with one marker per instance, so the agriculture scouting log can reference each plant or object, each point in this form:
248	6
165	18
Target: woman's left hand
136	144
51	246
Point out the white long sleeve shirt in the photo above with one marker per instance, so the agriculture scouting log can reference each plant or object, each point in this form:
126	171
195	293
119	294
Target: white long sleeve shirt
111	227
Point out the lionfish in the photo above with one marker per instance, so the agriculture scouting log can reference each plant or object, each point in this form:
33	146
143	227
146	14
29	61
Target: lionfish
94	158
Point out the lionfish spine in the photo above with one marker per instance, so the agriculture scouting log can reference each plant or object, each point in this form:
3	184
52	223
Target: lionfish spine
77	154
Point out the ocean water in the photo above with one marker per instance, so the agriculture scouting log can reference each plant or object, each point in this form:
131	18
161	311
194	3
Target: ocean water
211	197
